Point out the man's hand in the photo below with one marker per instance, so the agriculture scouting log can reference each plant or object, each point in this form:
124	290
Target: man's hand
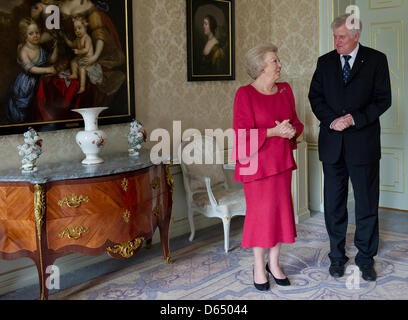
342	123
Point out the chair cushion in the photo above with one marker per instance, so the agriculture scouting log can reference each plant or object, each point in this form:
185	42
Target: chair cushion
214	171
234	198
202	148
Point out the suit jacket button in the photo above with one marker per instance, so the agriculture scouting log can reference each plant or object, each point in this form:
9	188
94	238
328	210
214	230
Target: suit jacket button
344	111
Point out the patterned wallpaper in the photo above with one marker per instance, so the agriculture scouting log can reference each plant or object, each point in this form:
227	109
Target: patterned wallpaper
162	91
295	26
163	94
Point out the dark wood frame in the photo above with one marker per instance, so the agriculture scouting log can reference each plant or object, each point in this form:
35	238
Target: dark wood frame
194	36
125	94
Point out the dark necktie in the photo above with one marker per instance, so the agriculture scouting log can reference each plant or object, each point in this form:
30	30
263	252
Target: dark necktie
346	68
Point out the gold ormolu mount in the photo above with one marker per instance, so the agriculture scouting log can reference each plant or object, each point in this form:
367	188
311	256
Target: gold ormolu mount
74	201
126	250
125	184
74	233
39	211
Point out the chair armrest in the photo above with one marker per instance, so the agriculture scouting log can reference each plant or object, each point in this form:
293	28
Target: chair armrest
201	179
207	182
229	166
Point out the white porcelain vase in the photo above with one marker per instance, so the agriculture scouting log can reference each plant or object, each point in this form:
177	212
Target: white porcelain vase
91	140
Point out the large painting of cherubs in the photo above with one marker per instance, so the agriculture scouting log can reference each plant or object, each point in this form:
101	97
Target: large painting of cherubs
210	40
59	55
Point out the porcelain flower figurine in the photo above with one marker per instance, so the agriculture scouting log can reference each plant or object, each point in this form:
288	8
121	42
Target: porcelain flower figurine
30	150
136	137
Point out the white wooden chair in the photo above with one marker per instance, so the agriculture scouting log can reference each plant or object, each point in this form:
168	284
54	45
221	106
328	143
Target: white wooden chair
207	190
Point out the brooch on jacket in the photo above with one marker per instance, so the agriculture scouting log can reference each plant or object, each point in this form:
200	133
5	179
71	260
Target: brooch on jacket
281	90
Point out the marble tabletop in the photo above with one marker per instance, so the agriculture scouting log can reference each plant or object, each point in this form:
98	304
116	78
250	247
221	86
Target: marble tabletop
113	164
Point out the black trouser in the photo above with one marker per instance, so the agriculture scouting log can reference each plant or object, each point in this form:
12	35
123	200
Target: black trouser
365	181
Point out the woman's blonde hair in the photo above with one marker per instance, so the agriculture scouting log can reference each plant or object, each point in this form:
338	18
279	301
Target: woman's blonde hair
255	59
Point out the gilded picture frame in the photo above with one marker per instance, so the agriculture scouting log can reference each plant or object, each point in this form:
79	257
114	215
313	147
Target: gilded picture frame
210	40
38	87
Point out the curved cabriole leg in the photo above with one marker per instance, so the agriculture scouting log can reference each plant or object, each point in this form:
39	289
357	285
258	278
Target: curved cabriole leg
164	239
42	278
191	222
165	225
42	267
226	223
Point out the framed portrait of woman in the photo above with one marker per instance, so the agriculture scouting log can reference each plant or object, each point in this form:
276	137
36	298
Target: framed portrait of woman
62	55
210	40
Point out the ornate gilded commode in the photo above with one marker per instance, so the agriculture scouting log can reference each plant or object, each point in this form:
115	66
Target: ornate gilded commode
65	208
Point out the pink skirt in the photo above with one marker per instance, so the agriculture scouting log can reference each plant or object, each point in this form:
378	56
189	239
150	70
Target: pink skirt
270	217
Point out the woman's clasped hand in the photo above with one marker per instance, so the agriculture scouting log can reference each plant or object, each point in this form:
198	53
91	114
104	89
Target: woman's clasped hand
285	129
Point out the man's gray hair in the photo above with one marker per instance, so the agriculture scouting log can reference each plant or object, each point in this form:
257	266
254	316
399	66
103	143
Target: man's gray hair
255	59
356	24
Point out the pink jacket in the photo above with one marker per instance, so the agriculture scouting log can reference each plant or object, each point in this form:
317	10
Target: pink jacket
265	156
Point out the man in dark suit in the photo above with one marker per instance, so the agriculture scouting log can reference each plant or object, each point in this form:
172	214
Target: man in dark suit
349	91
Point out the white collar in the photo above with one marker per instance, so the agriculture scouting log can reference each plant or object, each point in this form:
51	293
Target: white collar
353	53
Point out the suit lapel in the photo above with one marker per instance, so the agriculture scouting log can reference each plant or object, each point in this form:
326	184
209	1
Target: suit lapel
338	70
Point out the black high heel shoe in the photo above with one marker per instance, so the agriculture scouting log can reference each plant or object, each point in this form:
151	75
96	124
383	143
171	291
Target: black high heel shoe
260	286
280	282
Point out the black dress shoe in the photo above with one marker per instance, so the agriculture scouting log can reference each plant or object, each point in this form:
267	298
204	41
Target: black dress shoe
368	271
260	286
280	282
336	269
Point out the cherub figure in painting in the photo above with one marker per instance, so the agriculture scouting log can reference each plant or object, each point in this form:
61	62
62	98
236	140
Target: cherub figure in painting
83	48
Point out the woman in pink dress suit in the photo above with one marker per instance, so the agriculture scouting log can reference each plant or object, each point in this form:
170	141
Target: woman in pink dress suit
266	127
